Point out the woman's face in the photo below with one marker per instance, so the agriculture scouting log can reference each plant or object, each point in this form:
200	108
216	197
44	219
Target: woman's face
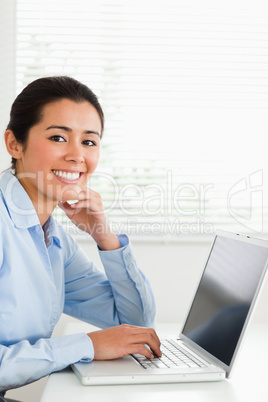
61	153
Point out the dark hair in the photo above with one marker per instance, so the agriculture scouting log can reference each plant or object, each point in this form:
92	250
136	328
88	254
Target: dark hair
27	108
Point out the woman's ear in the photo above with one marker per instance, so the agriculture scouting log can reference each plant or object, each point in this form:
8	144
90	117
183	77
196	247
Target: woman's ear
12	145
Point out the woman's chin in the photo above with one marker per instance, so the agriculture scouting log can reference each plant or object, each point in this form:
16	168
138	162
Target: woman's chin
70	193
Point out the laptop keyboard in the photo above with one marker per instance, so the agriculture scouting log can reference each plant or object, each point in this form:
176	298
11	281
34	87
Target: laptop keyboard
173	356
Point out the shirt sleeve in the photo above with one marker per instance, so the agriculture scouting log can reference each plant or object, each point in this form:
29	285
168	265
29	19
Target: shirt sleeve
120	295
23	362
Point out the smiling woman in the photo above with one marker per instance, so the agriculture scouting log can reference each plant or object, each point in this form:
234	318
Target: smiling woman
54	139
67	155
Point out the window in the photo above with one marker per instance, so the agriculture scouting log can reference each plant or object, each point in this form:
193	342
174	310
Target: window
184	87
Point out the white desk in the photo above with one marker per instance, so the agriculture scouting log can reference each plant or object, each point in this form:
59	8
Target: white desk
246	383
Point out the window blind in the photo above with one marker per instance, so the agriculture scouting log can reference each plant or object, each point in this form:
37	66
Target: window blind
184	87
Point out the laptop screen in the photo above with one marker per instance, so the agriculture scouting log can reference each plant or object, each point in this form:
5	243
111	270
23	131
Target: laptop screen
224	296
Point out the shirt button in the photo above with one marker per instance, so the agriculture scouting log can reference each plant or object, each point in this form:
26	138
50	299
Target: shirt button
127	257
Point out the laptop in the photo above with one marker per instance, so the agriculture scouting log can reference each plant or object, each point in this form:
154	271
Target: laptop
213	329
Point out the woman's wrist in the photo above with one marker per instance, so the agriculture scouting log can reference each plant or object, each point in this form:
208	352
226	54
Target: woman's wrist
109	242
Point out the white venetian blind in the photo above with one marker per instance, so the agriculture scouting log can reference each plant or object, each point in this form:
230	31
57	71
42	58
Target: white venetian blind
184	87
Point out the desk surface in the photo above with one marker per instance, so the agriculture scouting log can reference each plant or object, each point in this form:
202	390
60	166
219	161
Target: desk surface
248	382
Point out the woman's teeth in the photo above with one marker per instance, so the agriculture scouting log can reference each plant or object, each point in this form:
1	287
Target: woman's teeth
66	175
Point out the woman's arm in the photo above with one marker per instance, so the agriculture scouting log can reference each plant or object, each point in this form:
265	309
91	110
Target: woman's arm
23	362
121	295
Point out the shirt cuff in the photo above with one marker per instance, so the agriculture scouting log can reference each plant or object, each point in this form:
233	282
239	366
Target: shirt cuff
69	349
123	240
120	264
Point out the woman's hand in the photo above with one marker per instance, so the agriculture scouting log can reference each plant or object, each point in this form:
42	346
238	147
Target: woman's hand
88	215
115	342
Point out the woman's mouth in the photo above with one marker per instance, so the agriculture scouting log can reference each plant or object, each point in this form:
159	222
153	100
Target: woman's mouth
65	176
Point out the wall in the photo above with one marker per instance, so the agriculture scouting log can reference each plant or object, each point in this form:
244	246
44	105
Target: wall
173	270
7	71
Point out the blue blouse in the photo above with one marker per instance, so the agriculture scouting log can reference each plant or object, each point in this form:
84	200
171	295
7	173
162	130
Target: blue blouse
43	273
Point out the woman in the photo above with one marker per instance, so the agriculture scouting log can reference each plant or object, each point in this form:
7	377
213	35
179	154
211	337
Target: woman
53	136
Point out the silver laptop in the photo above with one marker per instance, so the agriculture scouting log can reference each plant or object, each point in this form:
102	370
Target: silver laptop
215	325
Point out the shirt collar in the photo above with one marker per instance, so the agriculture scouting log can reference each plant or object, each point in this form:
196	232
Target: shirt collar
18	203
51	232
21	209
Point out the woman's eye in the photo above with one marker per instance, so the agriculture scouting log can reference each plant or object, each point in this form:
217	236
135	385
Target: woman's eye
57	138
89	143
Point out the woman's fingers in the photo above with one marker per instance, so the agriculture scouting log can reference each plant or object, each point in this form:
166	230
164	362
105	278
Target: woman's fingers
141	350
148	339
146	336
122	340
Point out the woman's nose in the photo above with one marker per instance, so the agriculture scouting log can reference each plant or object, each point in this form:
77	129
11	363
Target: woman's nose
75	154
